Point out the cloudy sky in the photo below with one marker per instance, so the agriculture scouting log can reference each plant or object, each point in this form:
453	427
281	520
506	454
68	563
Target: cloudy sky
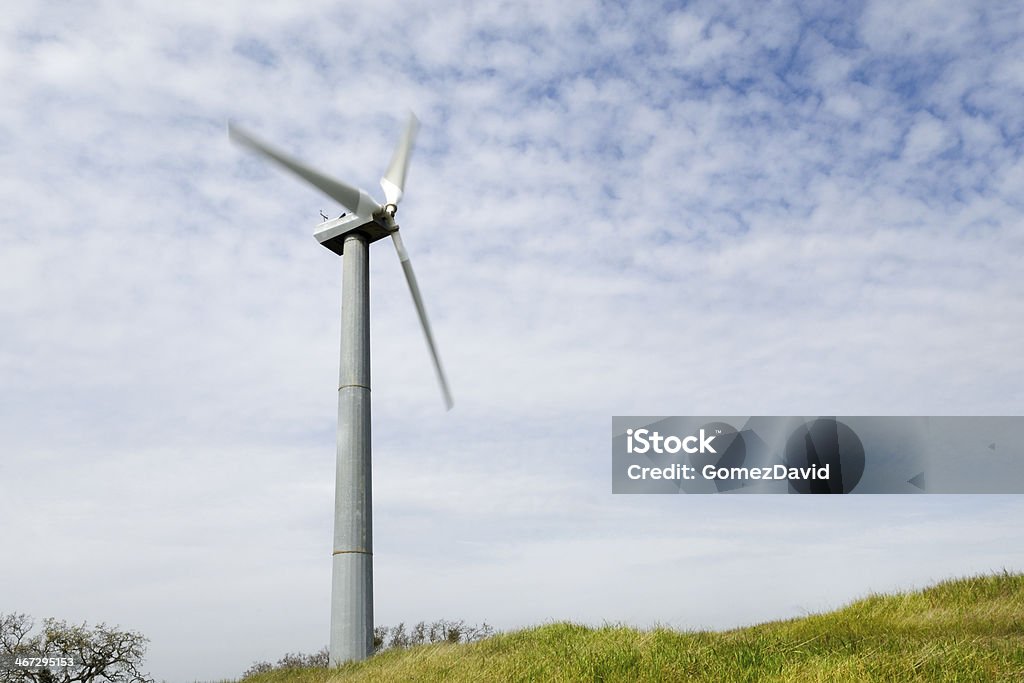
654	209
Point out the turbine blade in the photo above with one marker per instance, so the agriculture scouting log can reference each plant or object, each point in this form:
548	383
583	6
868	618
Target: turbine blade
353	199
410	277
393	182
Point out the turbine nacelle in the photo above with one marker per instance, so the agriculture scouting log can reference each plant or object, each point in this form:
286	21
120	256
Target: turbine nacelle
332	233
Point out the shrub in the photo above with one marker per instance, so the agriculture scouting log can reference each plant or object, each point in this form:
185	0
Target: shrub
386	638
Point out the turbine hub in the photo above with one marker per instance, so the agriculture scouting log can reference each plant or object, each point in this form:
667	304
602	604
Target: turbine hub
391	209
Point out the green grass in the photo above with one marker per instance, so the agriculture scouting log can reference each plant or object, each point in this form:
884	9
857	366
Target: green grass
965	630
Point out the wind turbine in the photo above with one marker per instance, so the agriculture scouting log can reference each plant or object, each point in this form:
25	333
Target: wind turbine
350	236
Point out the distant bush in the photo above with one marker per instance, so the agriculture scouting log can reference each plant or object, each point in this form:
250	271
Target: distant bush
386	638
442	631
291	660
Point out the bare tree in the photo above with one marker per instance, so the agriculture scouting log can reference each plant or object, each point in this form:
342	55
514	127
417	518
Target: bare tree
99	653
440	631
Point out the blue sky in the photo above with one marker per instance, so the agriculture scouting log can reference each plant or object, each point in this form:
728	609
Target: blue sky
756	208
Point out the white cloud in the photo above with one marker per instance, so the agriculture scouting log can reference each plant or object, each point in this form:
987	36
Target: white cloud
928	136
919	25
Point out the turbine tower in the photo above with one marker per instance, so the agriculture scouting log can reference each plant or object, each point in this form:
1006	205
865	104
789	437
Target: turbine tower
350	236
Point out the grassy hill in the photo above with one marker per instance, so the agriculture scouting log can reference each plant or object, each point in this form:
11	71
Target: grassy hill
963	630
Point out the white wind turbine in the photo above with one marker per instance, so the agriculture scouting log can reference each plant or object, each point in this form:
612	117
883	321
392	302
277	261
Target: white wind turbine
350	236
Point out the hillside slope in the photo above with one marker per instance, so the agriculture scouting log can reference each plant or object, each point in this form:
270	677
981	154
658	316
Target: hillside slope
962	630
